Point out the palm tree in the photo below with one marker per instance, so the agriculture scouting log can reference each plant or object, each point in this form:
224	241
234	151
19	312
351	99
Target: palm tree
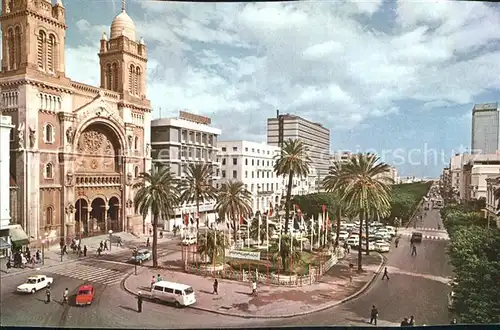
333	182
156	193
287	254
254	229
365	189
233	200
212	244
293	161
197	187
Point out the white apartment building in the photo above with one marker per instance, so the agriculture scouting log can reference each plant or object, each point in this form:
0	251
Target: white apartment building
5	137
253	164
342	156
177	142
475	173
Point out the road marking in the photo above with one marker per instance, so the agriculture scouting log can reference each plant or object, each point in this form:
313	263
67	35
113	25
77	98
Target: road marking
92	274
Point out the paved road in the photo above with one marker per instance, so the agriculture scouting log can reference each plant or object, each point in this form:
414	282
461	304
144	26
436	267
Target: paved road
417	286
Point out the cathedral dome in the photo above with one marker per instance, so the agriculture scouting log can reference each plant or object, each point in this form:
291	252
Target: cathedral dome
123	25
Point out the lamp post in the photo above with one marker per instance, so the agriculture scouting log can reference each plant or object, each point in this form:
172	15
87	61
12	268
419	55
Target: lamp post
45	235
110	233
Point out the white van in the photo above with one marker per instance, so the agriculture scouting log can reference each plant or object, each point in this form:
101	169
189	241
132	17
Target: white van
179	294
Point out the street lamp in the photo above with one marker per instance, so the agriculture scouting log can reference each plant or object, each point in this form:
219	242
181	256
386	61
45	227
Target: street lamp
43	247
110	233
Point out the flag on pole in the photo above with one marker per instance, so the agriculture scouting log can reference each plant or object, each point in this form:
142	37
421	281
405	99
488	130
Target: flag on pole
258	229
248	231
267	233
327	226
301	229
311	229
279	236
320	228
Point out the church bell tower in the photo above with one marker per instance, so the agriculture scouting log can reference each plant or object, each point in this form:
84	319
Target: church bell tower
123	59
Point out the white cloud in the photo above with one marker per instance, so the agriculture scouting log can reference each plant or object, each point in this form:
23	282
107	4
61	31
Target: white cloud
240	62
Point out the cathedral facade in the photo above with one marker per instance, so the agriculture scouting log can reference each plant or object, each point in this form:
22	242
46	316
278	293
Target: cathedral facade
75	149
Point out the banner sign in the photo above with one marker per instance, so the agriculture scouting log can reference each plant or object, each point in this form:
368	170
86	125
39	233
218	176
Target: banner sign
239	254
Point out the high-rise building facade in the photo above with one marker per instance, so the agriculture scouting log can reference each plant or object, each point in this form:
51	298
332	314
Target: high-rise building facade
178	142
253	164
5	137
315	137
75	147
485	128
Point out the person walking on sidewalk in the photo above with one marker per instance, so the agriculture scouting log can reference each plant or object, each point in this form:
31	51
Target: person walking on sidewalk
153	281
139	302
37	254
386	274
106	245
99	250
158	278
254	287
414	250
396	242
411	321
85	250
374	315
147	242
216	287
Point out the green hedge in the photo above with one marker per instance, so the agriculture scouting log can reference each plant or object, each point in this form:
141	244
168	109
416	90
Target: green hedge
405	199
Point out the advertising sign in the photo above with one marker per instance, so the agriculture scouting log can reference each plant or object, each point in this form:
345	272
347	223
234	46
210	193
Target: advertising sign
239	254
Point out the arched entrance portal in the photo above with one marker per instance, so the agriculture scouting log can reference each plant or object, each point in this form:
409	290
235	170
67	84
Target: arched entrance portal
81	217
98	215
113	214
99	174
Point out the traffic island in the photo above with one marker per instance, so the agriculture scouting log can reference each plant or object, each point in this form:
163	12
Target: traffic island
236	299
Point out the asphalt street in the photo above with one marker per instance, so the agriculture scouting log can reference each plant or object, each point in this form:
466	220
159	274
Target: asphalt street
417	286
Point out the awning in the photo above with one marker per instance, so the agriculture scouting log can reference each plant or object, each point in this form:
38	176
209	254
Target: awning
4	244
18	236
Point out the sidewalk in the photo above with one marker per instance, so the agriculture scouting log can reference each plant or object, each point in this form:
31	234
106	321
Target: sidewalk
53	253
235	298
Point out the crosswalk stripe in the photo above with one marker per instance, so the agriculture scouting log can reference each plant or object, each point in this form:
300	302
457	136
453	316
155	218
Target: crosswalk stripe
92	274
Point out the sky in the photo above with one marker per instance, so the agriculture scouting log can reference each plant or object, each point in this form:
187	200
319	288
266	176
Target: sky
398	78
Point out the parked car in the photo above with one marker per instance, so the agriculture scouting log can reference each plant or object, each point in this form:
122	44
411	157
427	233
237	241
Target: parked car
353	241
189	240
391	230
35	283
85	295
142	255
371	246
382	246
416	237
343	235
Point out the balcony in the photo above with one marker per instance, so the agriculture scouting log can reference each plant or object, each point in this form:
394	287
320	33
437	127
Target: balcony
265	193
98	180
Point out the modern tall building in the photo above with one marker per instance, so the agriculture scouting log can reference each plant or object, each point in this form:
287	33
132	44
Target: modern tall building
315	137
75	147
485	128
177	142
253	164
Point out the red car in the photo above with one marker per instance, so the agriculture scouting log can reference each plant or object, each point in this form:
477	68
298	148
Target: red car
85	295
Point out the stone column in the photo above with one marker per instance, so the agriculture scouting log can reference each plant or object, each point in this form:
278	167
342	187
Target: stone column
70	222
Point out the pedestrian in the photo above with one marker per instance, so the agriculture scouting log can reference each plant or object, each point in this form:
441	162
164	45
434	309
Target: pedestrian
47	293
37	254
396	242
453	321
65	249
9	265
158	278
153	281
65	296
150	232
374	315
411	321
99	250
254	287
386	274
414	250
106	245
161	234
101	245
404	323
85	250
147	242
216	287
139	302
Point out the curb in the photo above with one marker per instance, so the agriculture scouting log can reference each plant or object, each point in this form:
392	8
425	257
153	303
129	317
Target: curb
283	316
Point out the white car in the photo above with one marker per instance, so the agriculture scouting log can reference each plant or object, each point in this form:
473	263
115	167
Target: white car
35	283
382	246
189	240
343	235
353	241
383	233
391	230
371	246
